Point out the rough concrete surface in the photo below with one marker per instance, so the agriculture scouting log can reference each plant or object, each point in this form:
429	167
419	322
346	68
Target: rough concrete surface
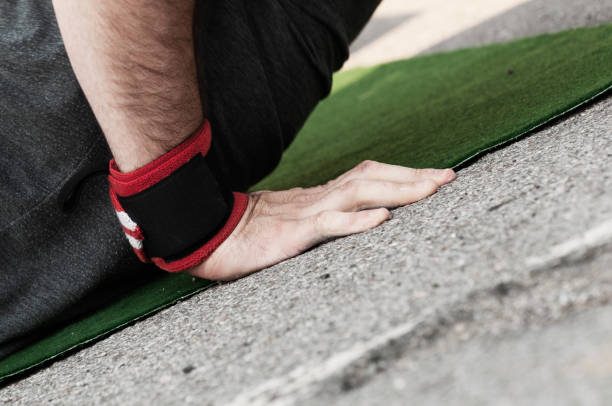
496	290
562	364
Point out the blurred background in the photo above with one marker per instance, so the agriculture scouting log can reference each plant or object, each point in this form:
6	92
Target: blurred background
404	28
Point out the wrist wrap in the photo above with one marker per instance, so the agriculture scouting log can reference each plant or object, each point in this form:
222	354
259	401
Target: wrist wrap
173	211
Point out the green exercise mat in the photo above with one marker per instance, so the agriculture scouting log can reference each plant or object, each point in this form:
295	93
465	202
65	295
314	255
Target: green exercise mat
429	111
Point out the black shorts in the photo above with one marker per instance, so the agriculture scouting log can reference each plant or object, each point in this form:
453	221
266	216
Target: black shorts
263	66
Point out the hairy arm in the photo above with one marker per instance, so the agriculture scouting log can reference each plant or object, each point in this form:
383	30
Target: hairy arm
134	60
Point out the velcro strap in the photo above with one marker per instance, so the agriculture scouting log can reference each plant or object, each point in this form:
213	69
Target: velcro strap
174	211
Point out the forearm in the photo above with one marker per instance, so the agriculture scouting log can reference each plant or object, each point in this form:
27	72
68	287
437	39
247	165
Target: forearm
134	60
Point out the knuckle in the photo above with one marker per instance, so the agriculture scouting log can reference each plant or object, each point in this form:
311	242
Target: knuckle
366	166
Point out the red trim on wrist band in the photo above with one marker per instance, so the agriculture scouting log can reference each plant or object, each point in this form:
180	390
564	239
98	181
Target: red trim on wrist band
126	184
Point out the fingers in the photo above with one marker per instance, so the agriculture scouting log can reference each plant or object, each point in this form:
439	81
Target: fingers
365	194
279	225
367	170
328	224
371	170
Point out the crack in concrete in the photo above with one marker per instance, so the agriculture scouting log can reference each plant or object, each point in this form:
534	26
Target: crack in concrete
476	315
575	250
300	382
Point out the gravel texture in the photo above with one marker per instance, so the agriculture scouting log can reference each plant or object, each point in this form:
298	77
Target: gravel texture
494	290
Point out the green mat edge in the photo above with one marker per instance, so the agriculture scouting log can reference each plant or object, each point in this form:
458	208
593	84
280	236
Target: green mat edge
106	333
530	128
510	138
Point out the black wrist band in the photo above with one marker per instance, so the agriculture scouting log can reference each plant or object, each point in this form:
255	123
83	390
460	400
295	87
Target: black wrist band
173	210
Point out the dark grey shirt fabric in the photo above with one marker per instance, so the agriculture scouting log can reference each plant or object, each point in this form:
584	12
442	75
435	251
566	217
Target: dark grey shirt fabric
62	252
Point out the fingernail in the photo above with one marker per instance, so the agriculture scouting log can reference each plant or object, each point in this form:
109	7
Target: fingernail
450	175
446	175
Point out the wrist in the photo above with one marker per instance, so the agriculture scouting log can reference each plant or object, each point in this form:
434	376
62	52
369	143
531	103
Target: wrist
144	147
173	210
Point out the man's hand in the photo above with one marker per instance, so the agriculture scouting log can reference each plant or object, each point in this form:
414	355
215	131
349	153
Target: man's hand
280	225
